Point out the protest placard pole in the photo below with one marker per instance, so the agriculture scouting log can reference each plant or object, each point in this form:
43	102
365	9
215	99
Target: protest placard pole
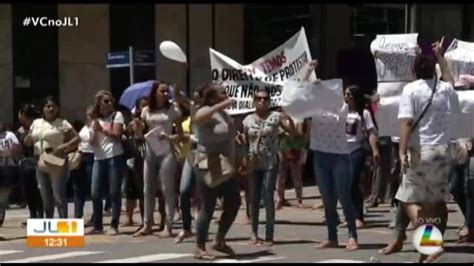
413	11
130	52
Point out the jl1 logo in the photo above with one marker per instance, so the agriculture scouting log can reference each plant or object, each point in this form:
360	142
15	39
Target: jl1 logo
61	227
55	227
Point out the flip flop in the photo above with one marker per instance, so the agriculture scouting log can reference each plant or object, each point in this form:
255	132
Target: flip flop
204	255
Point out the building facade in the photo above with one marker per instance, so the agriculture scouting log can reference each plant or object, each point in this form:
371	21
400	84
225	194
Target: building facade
69	62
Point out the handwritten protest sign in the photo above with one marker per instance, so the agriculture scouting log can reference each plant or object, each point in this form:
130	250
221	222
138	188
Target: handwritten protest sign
460	58
306	99
394	56
288	61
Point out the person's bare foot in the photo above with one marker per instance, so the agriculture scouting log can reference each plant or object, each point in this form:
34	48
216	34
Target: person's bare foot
268	242
352	244
360	224
254	240
279	205
411	227
318	206
300	205
343	225
167	233
183	235
327	244
433	257
145	231
202	254
392	247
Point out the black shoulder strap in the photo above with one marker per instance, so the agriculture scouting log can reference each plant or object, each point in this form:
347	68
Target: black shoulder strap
430	101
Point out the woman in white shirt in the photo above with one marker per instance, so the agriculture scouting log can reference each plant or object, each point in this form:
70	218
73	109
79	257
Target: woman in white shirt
424	146
360	131
160	160
52	134
109	160
82	177
9	151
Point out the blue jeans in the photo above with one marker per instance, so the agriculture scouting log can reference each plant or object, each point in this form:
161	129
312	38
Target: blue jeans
265	179
186	187
457	183
113	170
334	175
54	192
358	163
81	179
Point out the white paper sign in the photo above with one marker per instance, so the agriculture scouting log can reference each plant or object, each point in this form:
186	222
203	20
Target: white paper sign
460	58
158	146
306	99
288	61
395	54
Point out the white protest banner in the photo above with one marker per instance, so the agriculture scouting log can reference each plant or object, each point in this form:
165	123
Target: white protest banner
288	61
460	58
394	56
306	99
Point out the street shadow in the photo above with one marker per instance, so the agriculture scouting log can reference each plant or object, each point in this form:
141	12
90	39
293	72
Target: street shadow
284	222
292	242
377	224
373	215
12	239
252	255
376	246
460	249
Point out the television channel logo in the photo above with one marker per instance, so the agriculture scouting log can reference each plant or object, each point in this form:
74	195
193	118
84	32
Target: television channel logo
55	233
427	239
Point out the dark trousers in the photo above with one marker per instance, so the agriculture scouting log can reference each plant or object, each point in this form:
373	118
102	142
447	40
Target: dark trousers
208	196
29	184
357	163
382	176
81	179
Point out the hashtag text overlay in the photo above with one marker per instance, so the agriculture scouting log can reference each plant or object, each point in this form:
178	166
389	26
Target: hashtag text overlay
48	22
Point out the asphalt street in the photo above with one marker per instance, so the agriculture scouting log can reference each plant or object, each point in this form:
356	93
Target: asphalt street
297	231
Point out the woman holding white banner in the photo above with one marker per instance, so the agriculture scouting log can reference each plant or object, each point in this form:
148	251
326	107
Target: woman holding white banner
160	160
323	101
261	130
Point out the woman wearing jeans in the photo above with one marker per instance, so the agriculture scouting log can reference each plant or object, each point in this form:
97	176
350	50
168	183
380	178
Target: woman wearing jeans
332	165
56	135
215	136
27	165
359	125
9	150
83	176
109	160
159	116
261	131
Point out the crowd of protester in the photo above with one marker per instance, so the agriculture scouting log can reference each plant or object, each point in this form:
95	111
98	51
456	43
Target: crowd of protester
191	154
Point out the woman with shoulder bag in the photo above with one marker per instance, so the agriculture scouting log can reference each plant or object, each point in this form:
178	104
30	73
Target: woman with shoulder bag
109	160
52	138
261	130
214	162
